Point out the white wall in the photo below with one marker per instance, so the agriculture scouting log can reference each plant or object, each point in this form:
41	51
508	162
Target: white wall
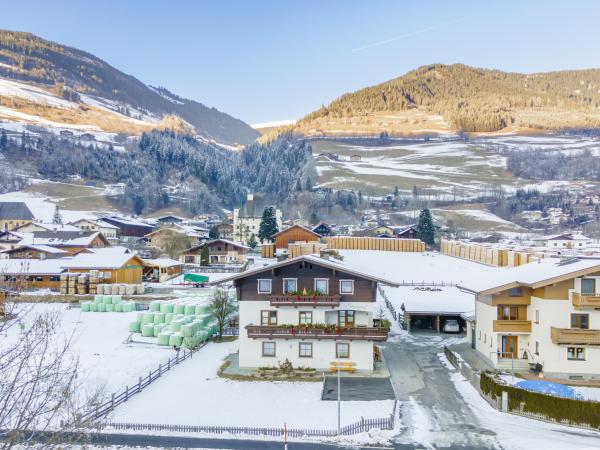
484	338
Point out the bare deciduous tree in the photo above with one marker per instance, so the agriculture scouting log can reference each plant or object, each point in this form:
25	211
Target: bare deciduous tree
221	307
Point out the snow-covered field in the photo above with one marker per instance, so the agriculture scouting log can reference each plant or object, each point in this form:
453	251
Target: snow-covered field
194	395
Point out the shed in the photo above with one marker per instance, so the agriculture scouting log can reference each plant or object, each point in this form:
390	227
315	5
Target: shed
117	268
161	269
293	234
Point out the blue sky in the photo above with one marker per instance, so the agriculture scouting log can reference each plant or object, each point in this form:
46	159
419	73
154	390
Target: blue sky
273	60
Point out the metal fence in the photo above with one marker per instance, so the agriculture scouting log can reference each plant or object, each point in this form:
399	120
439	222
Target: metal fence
116	399
363	425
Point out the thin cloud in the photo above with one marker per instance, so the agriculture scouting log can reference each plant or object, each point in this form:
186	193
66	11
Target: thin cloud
404	36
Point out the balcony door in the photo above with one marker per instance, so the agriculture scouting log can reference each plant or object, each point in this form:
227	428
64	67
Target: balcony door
588	286
510	347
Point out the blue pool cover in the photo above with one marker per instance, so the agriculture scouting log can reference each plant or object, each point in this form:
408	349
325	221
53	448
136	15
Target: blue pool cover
546	387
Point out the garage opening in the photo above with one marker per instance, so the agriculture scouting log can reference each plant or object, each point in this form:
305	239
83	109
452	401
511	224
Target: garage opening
436	323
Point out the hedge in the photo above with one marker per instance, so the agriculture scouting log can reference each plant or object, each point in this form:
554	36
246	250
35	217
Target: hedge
575	412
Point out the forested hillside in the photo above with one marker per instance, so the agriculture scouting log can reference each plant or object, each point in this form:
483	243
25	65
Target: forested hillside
72	72
162	167
472	99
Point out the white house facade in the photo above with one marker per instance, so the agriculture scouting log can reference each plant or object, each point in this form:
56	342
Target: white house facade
309	311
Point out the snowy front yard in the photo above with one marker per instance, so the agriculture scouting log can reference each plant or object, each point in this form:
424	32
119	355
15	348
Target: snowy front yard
192	394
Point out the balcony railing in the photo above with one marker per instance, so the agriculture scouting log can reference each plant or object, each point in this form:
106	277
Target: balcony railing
301	332
512	326
574	336
332	300
585	300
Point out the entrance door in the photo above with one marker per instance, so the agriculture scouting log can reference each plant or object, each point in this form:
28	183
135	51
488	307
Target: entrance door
509	346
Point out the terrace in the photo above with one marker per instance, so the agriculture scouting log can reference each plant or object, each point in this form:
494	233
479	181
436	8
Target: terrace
330	300
379	334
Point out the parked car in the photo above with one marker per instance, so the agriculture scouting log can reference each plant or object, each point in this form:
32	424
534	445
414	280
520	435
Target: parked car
451	326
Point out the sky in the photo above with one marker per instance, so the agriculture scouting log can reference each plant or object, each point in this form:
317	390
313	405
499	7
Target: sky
275	60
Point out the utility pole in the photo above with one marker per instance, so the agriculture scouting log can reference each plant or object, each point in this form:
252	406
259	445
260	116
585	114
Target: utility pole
338	392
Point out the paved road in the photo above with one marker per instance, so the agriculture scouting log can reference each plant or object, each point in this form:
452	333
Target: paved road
433	413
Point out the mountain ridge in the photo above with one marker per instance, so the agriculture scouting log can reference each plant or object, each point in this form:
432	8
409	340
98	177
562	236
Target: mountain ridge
73	72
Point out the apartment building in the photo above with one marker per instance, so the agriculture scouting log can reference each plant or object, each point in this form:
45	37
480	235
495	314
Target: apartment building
545	313
310	311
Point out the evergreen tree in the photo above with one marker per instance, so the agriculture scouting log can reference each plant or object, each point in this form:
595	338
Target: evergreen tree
308	184
213	233
3	140
314	219
204	259
298	185
268	225
57	218
252	242
425	230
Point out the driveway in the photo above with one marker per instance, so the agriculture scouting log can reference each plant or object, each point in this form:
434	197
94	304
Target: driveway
433	413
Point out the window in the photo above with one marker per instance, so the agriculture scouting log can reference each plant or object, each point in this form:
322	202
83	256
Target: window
347	287
290	285
268	318
268	348
342	350
346	318
322	285
479	334
484	338
588	286
305	349
537	316
305	318
54	278
576	353
537	348
581	321
264	286
515	292
508	312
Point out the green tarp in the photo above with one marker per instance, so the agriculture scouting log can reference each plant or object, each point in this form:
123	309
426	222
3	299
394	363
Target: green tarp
194	278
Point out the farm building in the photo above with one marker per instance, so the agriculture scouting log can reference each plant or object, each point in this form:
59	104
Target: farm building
117	268
71	242
14	214
169	220
161	269
323	229
407	232
295	233
109	231
10	239
32	273
220	251
34	227
129	228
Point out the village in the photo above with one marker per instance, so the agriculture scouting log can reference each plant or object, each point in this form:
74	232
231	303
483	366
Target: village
350	326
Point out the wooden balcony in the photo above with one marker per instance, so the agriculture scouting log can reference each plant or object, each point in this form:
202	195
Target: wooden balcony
574	336
584	300
298	332
512	326
332	300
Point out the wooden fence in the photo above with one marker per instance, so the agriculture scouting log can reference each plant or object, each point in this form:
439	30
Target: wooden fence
363	425
373	243
488	254
116	399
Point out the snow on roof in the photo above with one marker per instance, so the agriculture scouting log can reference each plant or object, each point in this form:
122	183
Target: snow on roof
162	262
431	300
534	275
227	241
61	238
98	222
563	236
39	248
127	221
285	230
329	263
55	227
31	266
117	249
97	261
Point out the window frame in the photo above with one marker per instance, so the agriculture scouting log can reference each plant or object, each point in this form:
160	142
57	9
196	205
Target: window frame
300	345
516	291
270	285
337	350
593	281
269	321
576	352
295	280
326	280
344	312
266	355
580	316
352	285
300	313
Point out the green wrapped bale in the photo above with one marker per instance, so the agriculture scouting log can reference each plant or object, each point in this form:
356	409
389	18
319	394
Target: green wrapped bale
175	325
155	306
164	337
116	299
118	307
176	339
190	342
147	317
159	317
179	308
168	318
101	307
167	307
109	307
98	298
85	306
148	330
159	327
128	306
190	310
94	307
107	299
187	330
134	327
201	309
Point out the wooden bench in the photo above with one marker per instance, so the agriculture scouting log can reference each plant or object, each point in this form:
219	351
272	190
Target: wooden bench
344	366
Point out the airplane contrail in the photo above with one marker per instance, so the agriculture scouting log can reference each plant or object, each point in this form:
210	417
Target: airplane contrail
403	36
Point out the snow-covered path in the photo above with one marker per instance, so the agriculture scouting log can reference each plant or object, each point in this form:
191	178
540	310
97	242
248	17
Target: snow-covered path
439	408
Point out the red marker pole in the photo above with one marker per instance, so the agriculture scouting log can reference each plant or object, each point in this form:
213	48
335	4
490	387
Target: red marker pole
285	435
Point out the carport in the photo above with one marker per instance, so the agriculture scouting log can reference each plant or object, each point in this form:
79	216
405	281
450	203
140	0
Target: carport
429	307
